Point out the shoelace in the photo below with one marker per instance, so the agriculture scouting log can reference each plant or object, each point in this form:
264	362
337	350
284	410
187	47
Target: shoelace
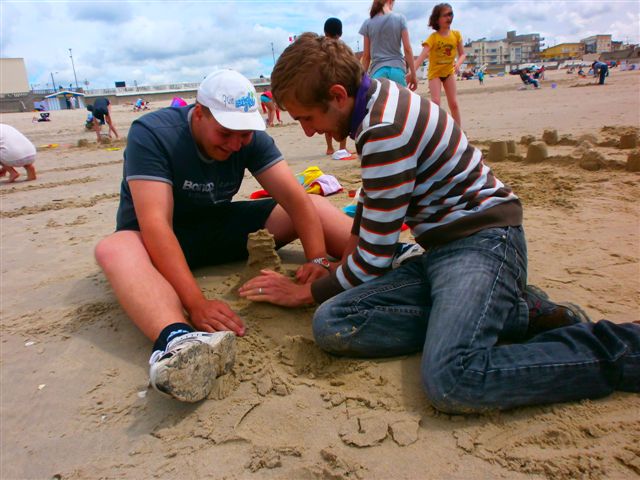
160	354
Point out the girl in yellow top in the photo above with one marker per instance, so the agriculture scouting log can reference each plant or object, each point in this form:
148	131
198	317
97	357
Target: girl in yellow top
441	47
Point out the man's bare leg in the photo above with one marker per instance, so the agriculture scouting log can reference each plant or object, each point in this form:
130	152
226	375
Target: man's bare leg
145	295
336	226
185	366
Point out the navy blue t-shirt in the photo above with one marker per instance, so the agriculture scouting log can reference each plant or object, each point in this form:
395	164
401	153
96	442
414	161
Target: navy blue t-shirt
101	108
160	148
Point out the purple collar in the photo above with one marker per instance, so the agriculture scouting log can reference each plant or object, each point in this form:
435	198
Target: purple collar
360	107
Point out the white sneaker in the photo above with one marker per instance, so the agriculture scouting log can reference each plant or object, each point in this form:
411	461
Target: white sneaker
404	252
187	368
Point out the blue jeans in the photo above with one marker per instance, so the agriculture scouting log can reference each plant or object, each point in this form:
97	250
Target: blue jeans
603	73
461	304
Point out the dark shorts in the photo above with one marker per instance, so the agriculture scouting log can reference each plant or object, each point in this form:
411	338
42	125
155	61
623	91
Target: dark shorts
99	114
218	234
444	79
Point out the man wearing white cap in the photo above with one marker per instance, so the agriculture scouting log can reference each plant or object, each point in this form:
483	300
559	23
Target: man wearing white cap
182	167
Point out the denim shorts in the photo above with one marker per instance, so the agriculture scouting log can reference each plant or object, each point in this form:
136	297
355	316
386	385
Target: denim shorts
392	73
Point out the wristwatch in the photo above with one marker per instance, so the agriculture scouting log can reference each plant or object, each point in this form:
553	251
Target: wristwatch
322	261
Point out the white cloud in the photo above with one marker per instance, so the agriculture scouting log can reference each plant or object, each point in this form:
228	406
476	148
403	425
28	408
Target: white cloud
183	41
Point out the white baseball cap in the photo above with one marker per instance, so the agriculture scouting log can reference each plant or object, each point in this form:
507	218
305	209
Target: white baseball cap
232	100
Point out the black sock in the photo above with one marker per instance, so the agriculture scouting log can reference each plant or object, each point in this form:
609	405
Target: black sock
170	332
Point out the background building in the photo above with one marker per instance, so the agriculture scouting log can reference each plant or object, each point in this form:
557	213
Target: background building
563	51
13	76
597	44
487	52
524	48
513	49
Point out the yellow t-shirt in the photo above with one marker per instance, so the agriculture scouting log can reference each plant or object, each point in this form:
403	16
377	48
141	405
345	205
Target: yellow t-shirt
442	53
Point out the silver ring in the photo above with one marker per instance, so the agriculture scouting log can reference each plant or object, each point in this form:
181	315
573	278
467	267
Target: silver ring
260	291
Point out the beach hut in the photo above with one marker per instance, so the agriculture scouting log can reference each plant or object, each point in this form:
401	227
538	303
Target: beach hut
58	100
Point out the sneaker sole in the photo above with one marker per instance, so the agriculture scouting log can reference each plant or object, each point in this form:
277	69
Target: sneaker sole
189	376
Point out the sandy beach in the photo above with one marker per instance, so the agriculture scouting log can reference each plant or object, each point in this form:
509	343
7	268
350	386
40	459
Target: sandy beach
74	399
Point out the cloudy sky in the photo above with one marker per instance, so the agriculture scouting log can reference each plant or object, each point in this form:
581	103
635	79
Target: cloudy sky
168	41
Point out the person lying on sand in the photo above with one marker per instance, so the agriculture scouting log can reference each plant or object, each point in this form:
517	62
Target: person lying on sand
182	167
488	340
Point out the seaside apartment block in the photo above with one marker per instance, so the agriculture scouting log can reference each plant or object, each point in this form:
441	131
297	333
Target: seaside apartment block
513	49
522	49
597	44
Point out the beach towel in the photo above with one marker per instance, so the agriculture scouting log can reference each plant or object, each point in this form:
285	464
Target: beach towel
325	185
308	175
314	181
178	102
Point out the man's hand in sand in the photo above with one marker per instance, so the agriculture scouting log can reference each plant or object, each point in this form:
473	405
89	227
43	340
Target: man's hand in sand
215	316
310	272
275	288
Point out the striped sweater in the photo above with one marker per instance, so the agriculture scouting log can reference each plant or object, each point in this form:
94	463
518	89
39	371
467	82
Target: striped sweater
418	168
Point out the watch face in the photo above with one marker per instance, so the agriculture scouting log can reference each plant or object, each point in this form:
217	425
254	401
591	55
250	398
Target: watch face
322	261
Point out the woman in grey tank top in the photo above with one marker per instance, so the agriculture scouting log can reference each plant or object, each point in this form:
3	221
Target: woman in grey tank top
384	33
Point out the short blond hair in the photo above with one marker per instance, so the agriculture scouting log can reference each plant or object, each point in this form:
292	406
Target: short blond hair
308	68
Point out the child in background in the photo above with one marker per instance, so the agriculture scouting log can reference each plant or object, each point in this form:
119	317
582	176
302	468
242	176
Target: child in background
16	150
333	29
269	106
441	47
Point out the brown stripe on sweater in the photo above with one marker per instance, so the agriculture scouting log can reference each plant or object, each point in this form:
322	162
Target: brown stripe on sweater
381	228
460	167
436	138
377	111
370	270
389	182
387	204
378	250
391	131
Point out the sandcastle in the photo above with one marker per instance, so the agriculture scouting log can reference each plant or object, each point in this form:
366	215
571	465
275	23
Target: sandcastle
498	151
592	160
550	137
262	255
537	152
633	161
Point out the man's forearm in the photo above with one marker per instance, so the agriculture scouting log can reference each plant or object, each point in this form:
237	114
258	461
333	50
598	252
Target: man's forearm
351	246
308	227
